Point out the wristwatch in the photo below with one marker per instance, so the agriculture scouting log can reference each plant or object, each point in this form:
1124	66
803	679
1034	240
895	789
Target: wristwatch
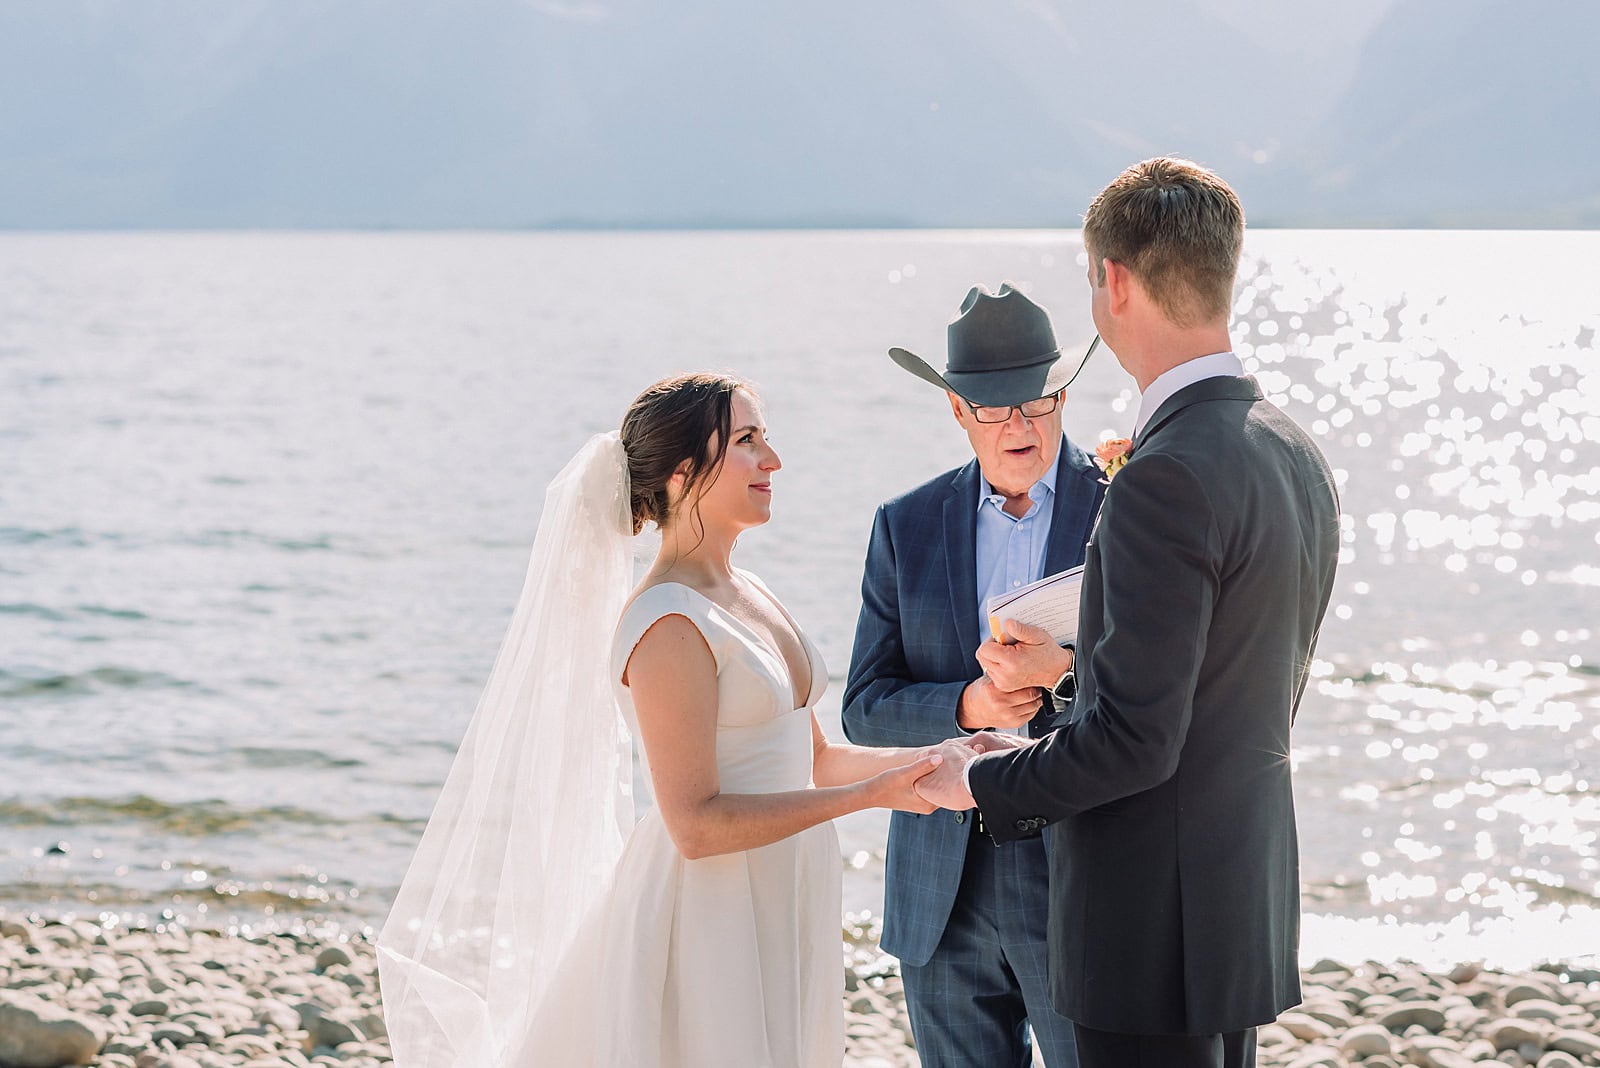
1067	685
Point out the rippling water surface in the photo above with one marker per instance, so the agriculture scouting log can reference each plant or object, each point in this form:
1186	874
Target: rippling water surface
267	499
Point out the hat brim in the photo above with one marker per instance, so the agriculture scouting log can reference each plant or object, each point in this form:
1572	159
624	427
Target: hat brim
1012	385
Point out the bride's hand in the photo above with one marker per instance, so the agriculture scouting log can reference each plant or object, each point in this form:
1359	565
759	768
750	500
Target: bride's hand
896	788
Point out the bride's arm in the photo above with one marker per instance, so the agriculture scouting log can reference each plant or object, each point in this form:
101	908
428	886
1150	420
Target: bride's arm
839	763
673	680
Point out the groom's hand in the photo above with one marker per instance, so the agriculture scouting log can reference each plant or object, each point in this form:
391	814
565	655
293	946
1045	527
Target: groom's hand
943	786
993	742
986	704
1032	659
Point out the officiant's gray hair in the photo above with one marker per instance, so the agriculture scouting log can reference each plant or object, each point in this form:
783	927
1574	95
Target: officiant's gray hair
686	417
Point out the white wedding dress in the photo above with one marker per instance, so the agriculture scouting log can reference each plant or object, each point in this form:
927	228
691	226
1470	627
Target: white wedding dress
731	960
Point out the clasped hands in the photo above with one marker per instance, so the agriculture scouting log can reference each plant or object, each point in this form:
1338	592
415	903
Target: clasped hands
1013	688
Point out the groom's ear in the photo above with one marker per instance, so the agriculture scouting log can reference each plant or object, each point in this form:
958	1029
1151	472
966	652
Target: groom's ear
1121	283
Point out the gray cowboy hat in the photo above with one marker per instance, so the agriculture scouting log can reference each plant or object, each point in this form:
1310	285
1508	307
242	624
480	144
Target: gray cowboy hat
1001	350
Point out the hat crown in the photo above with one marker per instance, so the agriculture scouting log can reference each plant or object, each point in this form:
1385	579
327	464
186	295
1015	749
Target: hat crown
997	332
1000	350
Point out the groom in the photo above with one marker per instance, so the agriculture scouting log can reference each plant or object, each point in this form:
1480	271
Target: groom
967	919
1174	878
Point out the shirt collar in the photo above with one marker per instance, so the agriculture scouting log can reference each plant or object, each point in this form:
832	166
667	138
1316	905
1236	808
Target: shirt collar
1042	490
1215	365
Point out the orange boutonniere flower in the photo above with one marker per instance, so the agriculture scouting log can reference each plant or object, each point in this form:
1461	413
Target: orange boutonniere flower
1109	456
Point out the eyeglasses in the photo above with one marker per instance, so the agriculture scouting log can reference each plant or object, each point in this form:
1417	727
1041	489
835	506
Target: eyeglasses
1031	409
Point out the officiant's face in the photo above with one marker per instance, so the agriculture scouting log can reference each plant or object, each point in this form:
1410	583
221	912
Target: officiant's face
1016	453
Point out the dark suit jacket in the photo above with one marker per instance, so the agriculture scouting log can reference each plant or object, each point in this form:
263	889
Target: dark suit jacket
1174	870
914	654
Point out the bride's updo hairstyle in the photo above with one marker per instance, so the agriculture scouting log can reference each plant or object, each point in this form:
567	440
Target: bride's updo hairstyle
675	420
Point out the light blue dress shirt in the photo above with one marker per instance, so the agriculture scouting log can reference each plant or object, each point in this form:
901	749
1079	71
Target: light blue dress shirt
1009	550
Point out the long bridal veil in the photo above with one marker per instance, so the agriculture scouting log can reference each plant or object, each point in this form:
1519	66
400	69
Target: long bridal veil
537	804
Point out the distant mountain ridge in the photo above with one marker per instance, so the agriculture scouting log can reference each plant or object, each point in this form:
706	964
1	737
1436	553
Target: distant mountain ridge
634	113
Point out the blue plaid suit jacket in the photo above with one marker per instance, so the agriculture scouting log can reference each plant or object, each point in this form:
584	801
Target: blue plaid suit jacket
914	654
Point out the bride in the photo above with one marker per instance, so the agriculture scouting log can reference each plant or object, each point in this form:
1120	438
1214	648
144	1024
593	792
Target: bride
538	924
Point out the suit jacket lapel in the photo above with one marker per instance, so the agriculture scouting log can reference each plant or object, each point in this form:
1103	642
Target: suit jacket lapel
1078	491
960	553
1225	387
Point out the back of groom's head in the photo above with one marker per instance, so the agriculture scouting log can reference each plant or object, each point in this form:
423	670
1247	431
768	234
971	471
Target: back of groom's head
1178	228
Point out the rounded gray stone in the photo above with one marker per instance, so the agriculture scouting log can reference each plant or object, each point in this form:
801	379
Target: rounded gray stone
176	1033
275	1014
1429	1051
1318	1057
331	956
36	1034
1537	1009
1424	1014
1558	1059
1366	1040
1577	1043
1305	1028
1511	1034
1526	991
331	1032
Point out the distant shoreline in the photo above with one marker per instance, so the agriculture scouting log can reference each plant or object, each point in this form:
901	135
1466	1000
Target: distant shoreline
781	227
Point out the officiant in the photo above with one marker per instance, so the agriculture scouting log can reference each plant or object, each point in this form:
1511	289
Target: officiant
967	918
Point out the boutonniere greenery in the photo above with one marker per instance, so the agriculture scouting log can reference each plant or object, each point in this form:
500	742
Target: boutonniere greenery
1109	456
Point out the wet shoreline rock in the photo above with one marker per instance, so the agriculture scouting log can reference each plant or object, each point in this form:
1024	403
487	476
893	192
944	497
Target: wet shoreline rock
1394	1015
76	993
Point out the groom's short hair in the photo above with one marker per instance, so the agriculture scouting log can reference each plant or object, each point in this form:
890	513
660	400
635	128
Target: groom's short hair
1179	228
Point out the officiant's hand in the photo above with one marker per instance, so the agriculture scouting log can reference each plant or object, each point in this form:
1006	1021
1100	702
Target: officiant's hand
1033	659
986	704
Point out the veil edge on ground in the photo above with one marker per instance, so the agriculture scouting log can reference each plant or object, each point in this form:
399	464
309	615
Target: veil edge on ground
536	807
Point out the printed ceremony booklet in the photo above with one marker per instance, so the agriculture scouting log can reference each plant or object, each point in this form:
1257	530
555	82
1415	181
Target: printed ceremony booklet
1050	604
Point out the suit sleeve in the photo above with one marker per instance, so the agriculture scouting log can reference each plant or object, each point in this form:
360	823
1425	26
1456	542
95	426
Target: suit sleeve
1160	569
883	704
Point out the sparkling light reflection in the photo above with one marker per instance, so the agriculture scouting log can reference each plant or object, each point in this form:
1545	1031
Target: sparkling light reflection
1446	758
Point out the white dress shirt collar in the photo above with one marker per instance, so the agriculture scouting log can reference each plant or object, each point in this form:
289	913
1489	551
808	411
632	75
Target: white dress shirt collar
1216	365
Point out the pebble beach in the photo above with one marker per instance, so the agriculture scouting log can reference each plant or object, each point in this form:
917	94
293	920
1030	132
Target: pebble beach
74	992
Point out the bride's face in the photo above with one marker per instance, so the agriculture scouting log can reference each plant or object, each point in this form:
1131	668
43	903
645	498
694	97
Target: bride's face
738	493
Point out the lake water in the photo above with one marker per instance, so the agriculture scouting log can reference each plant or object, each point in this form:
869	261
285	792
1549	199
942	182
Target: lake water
266	499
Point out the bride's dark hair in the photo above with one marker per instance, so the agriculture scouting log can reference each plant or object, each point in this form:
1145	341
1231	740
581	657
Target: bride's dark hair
670	422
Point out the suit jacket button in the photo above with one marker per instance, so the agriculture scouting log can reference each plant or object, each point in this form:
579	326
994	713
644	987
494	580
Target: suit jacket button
1024	825
961	817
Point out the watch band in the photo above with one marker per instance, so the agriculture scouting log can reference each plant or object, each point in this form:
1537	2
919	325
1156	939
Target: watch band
1067	685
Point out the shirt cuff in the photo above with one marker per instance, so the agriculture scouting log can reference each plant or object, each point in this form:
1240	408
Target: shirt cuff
966	772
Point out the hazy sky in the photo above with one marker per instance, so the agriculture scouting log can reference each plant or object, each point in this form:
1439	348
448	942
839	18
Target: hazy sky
511	113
